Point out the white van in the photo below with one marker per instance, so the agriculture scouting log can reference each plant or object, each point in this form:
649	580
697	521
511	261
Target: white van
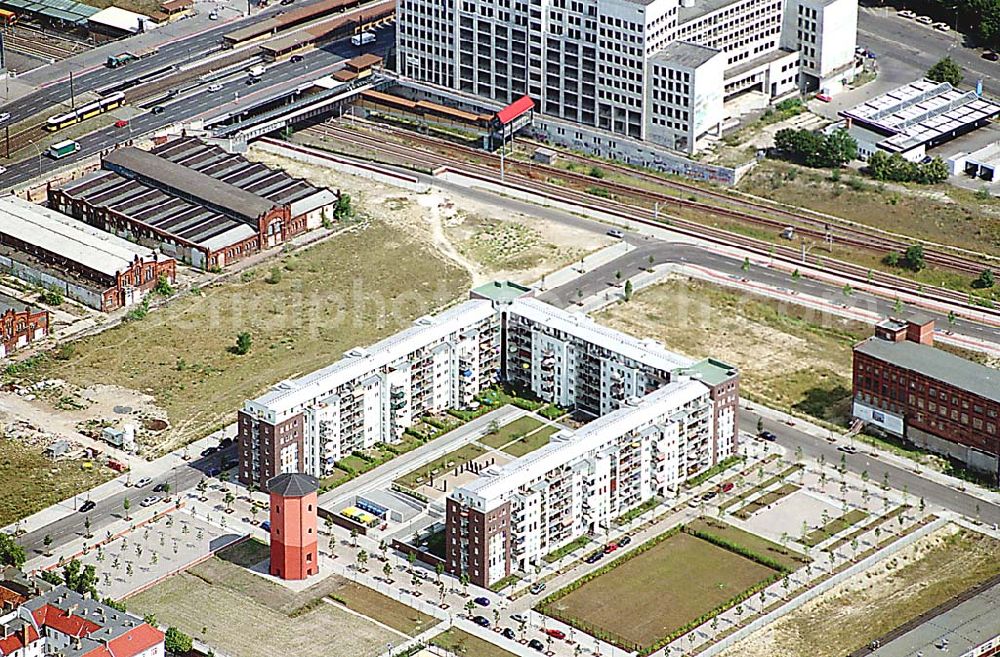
363	39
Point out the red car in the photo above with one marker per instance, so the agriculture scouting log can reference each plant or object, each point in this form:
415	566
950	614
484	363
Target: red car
121	123
726	487
556	634
610	547
823	97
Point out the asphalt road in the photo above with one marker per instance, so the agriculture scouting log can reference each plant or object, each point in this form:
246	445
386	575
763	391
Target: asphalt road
107	511
193	102
899	478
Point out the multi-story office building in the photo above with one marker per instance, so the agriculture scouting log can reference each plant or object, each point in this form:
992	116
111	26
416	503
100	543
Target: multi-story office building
371	395
651	69
906	387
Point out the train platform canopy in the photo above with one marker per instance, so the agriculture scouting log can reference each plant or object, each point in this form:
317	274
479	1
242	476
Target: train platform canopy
65	11
515	110
122	20
921	113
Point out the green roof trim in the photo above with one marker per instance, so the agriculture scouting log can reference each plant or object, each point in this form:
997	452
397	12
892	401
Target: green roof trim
501	291
712	371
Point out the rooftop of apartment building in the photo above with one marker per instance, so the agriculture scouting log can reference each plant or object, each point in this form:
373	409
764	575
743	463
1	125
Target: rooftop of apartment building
710	371
501	291
567	445
648	352
699	8
295	393
932	362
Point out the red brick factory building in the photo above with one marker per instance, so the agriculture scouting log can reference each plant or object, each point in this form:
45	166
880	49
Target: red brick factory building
933	399
20	324
86	264
294	537
194	201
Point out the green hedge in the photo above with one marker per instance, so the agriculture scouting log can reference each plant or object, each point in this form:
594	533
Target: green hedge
739	549
637	511
722	465
559	553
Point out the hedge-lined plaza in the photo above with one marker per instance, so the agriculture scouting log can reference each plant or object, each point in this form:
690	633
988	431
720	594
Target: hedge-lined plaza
646	598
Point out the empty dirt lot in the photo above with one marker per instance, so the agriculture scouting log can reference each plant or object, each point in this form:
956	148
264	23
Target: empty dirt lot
916	579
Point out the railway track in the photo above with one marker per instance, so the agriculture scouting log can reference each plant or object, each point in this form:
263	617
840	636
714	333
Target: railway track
434	154
803	220
36	43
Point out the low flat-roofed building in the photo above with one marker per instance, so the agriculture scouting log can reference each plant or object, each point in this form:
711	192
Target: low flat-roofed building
195	201
916	116
20	324
966	626
84	263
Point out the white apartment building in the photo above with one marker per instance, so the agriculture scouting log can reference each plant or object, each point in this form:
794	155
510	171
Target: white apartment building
371	395
642	68
512	516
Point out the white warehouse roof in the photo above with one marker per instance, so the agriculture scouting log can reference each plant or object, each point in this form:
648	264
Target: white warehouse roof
122	19
74	240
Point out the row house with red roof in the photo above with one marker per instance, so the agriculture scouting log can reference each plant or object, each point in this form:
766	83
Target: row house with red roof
63	622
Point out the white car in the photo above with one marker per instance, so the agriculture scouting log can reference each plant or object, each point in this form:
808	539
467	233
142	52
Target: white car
942	26
214	16
4	117
925	20
519	618
150	501
3	170
142	483
906	13
215	87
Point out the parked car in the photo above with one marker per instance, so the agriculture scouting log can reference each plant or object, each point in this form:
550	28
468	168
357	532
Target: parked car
925	20
4	117
87	506
225	442
161	487
535	644
213	16
693	503
509	634
624	540
991	56
726	487
296	59
614	232
709	495
594	557
266	525
610	547
906	13
537	588
142	483
150	501
214	472
158	109
519	618
943	27
482	601
767	435
208	451
285	3
481	621
252	81
825	98
555	634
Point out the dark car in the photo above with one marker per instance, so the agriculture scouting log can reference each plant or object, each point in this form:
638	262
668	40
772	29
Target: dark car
160	488
482	621
482	601
509	633
214	472
225	442
767	435
252	81
208	451
624	540
990	55
266	525
709	495
87	506
158	109
285	3
296	59
536	645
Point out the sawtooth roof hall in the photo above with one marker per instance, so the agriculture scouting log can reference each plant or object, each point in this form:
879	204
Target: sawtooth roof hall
195	201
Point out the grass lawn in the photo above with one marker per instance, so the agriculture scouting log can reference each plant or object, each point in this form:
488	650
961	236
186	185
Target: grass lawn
331	297
835	526
767	498
384	609
243	614
509	432
850	615
248	553
651	595
462	643
457	457
531	442
29	482
795	358
757	544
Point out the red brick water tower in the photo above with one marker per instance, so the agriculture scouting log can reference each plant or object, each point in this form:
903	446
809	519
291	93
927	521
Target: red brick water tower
294	553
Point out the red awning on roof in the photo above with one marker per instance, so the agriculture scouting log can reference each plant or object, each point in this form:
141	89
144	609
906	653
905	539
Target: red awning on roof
515	109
